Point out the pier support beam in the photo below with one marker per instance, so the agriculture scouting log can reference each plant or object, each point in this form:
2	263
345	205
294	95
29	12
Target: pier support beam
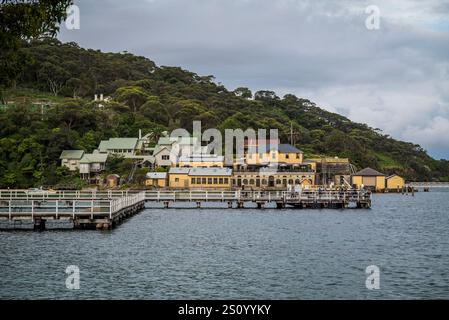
260	205
166	204
198	205
39	224
280	205
240	205
230	204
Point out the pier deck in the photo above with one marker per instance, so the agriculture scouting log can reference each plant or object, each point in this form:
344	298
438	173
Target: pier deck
105	209
82	212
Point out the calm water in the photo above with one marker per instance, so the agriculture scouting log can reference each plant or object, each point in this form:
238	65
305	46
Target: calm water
242	254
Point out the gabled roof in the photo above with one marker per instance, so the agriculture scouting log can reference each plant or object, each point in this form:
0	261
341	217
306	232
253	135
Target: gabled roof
159	148
95	157
282	148
210	172
165	141
392	176
118	143
72	154
156	175
288	148
368	172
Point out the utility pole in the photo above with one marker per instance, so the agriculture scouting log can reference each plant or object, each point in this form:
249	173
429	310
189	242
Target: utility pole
292	134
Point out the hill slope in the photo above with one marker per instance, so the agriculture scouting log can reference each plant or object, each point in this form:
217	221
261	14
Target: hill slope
154	98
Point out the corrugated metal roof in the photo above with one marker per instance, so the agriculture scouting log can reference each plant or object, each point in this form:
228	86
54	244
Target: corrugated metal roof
179	170
118	143
210	172
159	149
95	157
72	154
156	175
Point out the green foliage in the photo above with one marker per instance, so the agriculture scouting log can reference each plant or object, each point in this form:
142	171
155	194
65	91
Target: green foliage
24	20
157	99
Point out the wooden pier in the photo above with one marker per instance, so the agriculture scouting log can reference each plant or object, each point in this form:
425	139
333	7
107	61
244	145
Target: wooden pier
282	199
20	209
80	212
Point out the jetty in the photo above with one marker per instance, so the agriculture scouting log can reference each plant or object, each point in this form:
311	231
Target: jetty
34	210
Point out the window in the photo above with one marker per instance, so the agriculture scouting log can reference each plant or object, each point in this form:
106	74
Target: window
290	181
251	181
264	182
226	180
278	181
221	180
245	181
193	180
209	180
298	156
203	180
176	179
165	157
284	182
286	156
198	180
215	180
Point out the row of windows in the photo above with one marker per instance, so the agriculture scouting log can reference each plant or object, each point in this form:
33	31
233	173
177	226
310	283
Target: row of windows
272	177
258	182
122	151
209	180
273	156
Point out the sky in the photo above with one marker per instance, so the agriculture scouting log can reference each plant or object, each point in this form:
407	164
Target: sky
393	75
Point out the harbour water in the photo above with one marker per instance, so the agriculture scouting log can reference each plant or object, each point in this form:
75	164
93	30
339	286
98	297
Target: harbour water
216	253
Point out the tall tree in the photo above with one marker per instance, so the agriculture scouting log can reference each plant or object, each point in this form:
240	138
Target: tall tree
22	20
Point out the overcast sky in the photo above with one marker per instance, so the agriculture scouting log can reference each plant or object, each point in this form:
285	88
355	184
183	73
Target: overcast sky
395	78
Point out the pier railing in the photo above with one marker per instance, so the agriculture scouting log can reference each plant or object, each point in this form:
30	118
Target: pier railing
47	207
96	199
267	196
64	194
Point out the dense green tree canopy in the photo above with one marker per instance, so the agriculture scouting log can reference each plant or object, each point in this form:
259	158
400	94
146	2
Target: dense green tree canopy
155	99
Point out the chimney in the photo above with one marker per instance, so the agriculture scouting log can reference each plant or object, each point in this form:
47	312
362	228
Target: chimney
95	98
140	134
101	97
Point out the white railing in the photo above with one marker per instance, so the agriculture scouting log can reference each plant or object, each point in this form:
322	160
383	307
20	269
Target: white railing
67	208
241	195
429	184
119	197
118	204
70	194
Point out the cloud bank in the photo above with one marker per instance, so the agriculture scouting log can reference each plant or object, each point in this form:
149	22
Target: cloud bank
395	78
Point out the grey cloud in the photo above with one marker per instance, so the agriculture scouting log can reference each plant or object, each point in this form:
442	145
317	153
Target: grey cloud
395	78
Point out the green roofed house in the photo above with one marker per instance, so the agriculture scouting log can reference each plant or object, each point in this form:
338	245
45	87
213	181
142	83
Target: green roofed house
71	159
119	146
91	165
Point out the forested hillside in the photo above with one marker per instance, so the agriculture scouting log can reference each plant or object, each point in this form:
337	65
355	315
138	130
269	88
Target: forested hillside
152	98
